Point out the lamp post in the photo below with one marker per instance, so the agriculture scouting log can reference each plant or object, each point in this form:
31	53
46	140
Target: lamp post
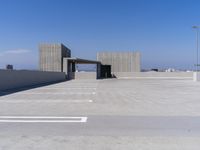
197	46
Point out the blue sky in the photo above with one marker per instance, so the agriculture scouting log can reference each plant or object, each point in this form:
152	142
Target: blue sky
160	29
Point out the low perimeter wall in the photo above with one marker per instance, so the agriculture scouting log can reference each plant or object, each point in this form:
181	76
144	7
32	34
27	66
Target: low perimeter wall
12	79
83	75
156	75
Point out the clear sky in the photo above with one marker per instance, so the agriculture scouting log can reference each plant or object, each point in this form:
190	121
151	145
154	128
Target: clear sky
160	29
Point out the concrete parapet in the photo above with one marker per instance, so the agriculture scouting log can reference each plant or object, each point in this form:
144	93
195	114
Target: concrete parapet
182	75
12	79
83	75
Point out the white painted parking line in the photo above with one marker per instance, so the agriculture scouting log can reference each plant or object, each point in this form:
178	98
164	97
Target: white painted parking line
68	88
51	93
44	101
41	119
155	78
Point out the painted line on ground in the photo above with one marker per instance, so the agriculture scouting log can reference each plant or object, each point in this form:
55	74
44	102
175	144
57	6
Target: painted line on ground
41	119
50	93
155	78
68	88
44	101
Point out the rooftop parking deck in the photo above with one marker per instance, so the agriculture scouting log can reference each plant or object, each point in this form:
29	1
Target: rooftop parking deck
103	114
133	97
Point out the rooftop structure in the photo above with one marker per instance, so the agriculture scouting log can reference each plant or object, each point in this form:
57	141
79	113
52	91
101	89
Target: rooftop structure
57	58
51	57
120	61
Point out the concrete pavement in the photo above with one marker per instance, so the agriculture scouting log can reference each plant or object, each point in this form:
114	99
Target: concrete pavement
121	114
103	126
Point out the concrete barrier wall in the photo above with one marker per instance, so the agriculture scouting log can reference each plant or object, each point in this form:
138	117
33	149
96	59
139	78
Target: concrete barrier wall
82	75
182	75
136	75
12	79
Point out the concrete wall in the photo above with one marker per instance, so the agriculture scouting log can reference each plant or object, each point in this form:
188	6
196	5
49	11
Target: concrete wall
17	79
182	75
120	61
135	75
51	57
83	75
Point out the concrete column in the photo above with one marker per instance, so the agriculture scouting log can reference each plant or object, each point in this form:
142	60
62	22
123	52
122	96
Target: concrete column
196	76
65	65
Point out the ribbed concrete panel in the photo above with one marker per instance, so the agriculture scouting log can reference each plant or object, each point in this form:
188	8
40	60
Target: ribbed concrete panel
120	61
51	57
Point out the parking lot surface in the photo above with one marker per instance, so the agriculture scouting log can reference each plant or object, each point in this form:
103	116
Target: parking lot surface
103	114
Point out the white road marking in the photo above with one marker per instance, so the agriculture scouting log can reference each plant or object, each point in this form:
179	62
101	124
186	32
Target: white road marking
44	101
155	78
41	119
67	88
50	93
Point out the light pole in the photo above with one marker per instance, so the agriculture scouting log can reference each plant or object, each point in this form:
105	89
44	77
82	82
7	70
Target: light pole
197	44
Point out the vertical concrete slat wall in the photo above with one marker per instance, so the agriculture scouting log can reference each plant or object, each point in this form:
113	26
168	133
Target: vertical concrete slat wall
120	61
137	61
51	57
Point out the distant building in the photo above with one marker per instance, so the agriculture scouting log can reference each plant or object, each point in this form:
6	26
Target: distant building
9	67
120	61
51	57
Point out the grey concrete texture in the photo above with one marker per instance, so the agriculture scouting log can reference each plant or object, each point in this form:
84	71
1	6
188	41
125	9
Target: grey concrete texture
83	75
120	61
25	142
123	114
65	66
135	126
51	57
129	97
13	79
154	75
